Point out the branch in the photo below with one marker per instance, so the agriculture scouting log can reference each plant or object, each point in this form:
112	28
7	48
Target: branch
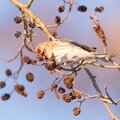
16	73
33	17
66	16
28	5
116	64
117	101
106	66
92	77
109	111
27	34
88	97
13	58
100	94
108	96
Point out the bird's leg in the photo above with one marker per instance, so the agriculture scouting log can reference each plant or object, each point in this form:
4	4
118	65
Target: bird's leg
56	71
76	69
81	62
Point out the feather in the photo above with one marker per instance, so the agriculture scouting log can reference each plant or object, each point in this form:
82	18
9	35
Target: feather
83	46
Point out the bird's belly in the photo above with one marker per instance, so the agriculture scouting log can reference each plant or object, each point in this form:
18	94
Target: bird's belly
71	56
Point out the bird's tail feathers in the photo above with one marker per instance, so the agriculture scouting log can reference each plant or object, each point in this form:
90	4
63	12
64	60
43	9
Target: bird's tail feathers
101	57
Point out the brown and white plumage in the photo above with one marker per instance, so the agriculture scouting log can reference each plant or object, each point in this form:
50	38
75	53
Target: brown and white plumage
65	52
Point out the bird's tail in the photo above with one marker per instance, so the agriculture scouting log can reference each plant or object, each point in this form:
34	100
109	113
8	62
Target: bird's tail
102	57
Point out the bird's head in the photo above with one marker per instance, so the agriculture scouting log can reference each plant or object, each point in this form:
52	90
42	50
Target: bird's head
39	50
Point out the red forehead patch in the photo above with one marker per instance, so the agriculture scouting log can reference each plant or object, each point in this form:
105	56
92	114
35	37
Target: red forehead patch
38	52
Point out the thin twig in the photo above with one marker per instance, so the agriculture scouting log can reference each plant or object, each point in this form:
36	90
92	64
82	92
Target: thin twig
106	66
108	96
100	94
65	17
28	5
88	97
35	18
92	77
16	73
13	58
116	64
117	101
109	111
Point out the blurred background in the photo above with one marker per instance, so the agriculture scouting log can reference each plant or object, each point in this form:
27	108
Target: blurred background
77	27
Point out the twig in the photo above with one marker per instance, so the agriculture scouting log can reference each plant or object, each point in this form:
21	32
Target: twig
16	74
88	97
108	96
105	66
114	63
93	80
28	5
13	58
100	94
29	40
35	18
27	35
109	111
117	101
66	16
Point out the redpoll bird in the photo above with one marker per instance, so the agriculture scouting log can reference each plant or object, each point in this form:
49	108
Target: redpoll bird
66	53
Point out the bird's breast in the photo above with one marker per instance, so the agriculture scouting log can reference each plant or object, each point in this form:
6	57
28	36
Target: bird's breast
68	54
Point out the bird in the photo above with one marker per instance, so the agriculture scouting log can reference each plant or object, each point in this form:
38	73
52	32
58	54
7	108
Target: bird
66	52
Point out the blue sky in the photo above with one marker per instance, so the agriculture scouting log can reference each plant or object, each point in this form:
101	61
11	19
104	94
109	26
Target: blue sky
78	28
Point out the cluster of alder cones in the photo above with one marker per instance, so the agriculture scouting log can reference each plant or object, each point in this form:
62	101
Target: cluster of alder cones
67	79
67	97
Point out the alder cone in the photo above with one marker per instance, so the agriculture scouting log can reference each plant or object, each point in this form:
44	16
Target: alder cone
8	72
99	9
76	94
17	19
57	20
76	111
61	90
40	94
53	86
50	65
20	89
61	8
68	81
29	77
2	84
66	97
5	96
82	8
26	59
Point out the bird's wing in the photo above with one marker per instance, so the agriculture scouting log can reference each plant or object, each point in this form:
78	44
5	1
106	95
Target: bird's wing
83	46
